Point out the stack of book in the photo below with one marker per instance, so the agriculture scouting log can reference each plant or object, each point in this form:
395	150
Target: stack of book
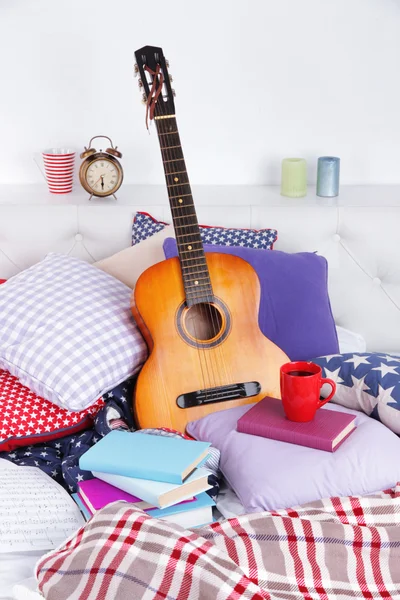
161	475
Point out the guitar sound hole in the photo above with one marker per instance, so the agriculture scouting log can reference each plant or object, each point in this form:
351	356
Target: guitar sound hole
203	321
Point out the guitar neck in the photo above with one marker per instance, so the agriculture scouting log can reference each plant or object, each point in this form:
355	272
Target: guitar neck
195	273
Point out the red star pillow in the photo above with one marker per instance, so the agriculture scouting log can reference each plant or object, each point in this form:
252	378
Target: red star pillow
26	419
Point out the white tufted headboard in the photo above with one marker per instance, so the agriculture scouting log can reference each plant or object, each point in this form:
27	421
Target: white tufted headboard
358	233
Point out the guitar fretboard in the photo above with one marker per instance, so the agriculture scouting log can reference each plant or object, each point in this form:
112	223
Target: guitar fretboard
195	274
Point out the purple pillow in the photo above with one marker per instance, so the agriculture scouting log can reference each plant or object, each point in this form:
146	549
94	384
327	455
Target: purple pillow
270	475
295	312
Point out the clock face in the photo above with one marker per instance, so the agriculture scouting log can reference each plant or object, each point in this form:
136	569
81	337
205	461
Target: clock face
103	176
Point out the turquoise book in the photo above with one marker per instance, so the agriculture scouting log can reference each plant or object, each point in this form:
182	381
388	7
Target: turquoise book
159	493
192	514
153	457
82	507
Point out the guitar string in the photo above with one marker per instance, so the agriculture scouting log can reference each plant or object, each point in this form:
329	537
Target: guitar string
205	307
162	127
187	223
186	217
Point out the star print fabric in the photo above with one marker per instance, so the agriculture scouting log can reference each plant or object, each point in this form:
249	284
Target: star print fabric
26	418
144	226
369	382
59	458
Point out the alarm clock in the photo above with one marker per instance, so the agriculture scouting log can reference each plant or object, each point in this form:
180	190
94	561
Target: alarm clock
101	173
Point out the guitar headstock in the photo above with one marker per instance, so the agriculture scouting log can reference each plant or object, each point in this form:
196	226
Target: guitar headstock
155	81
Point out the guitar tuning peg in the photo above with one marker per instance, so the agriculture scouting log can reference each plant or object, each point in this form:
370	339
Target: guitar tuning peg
167	63
144	99
135	69
140	83
173	92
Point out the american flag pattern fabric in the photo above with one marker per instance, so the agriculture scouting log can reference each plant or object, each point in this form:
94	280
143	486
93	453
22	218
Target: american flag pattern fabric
59	458
367	381
67	331
335	549
144	226
25	418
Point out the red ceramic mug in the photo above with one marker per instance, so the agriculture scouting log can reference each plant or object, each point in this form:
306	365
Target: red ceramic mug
301	384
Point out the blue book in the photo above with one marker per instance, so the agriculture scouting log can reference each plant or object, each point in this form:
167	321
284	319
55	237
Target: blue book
84	510
158	493
192	514
146	456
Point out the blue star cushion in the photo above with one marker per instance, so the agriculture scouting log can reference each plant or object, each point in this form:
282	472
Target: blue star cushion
369	382
144	226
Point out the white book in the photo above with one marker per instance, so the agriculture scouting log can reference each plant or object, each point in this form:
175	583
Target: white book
36	512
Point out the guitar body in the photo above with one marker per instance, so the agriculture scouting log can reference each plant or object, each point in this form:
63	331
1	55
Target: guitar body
202	347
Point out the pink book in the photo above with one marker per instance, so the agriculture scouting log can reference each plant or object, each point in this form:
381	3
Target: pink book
96	494
326	431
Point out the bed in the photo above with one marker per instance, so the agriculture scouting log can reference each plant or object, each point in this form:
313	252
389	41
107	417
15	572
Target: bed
357	233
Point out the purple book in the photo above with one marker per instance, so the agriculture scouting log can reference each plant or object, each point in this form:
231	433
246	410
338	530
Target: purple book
326	431
96	494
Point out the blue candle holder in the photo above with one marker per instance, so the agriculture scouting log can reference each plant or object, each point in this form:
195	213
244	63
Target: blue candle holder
328	176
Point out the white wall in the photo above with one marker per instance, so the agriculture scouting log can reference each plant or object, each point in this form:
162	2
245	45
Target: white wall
256	80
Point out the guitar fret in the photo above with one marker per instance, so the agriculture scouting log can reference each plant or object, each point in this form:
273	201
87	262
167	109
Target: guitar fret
187	287
194	274
188	242
168	132
188	251
185	226
181	196
197	292
188	235
176	172
192	216
197	265
202	279
177	184
169	147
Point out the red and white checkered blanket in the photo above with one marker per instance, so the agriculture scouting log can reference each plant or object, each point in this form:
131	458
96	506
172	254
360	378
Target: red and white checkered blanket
332	549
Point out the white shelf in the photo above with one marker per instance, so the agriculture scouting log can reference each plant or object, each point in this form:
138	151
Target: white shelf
223	196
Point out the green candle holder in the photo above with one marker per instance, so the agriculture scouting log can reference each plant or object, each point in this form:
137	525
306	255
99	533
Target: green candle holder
294	177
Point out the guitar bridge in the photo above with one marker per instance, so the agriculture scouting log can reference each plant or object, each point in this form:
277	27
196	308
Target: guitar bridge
224	393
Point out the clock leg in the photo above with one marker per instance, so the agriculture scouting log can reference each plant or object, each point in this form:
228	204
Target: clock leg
91	196
115	196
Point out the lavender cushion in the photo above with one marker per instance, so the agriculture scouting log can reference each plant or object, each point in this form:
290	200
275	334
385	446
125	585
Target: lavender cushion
67	332
295	312
270	475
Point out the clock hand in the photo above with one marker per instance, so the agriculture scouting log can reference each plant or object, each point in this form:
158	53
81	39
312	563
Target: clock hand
102	181
101	177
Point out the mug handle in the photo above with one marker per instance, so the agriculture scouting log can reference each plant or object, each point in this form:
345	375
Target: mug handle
333	385
38	160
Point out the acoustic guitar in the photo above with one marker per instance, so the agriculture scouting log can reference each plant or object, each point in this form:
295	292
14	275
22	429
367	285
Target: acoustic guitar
198	313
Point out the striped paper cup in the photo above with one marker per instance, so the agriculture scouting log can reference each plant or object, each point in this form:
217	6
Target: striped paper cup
59	169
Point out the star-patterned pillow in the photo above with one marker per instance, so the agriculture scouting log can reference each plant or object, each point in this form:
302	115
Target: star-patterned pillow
25	418
369	382
144	226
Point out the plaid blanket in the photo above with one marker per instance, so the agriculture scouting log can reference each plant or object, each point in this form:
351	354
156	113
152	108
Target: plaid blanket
331	549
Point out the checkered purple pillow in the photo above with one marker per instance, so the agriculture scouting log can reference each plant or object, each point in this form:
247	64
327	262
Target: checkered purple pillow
67	331
144	226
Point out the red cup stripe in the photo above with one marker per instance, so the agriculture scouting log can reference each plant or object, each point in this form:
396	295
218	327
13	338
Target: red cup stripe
60	188
60	155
